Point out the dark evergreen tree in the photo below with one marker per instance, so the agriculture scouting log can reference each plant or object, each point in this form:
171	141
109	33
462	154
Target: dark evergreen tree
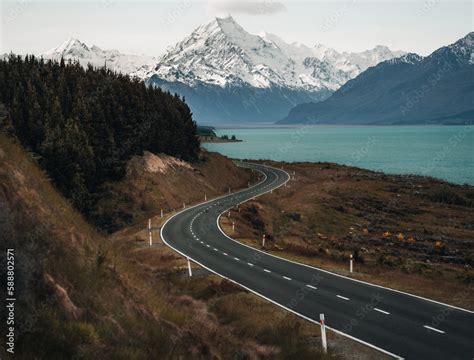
85	124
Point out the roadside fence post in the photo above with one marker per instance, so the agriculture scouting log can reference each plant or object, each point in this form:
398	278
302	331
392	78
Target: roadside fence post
323	334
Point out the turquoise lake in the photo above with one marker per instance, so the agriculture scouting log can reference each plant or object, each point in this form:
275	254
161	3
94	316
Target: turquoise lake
444	152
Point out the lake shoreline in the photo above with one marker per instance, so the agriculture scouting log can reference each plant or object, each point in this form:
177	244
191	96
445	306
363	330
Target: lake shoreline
441	152
376	173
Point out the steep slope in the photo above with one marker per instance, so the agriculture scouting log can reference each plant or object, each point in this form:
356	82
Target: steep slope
81	295
71	303
161	182
407	90
229	75
85	125
73	49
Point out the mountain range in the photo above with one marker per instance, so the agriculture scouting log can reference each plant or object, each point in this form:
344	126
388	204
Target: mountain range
74	49
228	75
411	89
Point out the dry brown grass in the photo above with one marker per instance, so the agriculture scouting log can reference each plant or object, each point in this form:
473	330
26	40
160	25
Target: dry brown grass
331	211
144	192
135	302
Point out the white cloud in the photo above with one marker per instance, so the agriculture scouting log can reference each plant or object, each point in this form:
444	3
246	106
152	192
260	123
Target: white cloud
262	7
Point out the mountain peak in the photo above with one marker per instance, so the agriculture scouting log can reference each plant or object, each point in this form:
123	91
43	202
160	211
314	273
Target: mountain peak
229	26
221	52
226	25
70	45
75	50
409	58
461	51
226	19
468	39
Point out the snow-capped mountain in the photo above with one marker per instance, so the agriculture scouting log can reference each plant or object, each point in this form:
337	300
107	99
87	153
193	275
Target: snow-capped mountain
222	53
437	89
228	74
73	49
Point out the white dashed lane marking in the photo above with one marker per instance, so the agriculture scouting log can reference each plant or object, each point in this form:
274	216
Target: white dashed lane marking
312	287
432	328
382	311
342	297
266	270
286	277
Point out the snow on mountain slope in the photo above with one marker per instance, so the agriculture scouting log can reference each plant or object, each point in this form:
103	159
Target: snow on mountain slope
228	75
222	53
411	89
73	49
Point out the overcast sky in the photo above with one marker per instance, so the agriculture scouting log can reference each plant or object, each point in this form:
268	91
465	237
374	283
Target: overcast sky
150	27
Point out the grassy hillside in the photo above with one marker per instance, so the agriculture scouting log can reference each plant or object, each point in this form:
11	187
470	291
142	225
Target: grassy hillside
160	182
85	296
71	301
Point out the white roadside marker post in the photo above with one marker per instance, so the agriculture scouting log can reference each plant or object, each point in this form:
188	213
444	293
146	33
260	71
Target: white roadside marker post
161	212
229	190
263	240
233	225
351	261
205	197
184	206
249	184
149	232
189	268
228	214
323	334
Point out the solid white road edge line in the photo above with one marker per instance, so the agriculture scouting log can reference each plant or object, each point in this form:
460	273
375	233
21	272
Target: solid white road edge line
257	293
326	271
273	301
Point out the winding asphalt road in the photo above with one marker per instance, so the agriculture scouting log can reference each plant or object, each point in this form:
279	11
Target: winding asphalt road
399	324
